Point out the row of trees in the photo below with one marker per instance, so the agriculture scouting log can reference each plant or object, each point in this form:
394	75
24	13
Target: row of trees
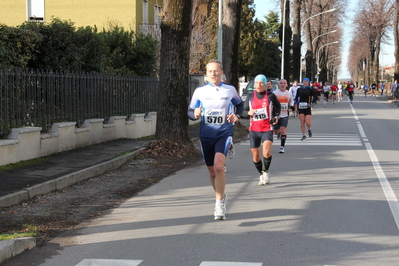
374	22
59	45
258	44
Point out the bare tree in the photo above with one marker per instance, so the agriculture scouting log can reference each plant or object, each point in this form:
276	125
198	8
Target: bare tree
200	39
373	18
396	39
318	22
172	122
285	27
296	39
231	39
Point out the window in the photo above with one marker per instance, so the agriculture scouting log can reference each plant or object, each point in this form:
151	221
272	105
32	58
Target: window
157	19
35	10
145	12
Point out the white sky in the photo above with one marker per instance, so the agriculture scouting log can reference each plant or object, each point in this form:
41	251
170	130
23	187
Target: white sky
263	7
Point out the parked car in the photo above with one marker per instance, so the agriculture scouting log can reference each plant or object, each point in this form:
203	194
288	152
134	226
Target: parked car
250	89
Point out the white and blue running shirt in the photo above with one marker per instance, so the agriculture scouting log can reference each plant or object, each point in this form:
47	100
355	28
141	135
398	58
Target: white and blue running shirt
217	102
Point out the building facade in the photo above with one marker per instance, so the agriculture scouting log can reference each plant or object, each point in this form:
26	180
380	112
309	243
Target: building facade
137	15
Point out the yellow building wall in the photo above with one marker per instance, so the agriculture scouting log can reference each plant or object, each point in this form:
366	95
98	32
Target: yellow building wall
82	12
12	12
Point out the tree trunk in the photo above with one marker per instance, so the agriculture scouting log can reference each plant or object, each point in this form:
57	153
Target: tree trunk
309	54
231	40
172	121
396	41
296	45
376	63
287	39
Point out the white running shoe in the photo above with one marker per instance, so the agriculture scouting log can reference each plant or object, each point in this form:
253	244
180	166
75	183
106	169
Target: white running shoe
220	212
231	152
266	177
281	150
225	168
262	181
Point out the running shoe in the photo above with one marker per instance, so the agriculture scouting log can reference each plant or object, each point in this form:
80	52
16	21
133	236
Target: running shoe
231	152
220	212
225	168
303	138
262	181
310	133
281	150
266	177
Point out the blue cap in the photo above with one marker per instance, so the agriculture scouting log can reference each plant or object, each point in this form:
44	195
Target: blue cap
260	78
306	79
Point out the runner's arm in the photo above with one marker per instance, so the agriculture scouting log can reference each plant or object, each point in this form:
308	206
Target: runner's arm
276	104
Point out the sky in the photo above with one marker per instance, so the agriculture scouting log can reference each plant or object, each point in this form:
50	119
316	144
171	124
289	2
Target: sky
263	7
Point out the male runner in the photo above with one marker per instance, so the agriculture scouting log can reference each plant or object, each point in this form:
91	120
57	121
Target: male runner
326	91
373	89
293	90
334	89
351	90
306	97
263	110
214	103
286	101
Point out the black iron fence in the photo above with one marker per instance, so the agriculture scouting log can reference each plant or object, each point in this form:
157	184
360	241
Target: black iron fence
43	97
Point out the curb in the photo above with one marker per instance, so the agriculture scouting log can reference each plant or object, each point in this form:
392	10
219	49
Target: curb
13	247
64	181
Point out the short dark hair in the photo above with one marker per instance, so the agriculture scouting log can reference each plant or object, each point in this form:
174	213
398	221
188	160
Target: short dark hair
216	61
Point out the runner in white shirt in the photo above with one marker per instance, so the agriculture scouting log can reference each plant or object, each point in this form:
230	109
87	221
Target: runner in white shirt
340	91
326	90
287	101
293	90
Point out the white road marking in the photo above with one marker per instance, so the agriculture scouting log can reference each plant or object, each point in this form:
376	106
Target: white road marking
108	262
227	263
294	139
386	186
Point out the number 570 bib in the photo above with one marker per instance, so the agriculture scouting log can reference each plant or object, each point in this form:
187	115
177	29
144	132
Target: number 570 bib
215	116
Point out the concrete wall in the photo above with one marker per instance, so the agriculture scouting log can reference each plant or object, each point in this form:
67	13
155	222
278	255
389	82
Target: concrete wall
28	143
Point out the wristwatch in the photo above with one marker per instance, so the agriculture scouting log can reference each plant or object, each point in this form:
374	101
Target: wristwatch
239	116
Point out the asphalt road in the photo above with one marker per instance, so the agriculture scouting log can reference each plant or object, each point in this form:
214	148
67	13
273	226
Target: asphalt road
332	200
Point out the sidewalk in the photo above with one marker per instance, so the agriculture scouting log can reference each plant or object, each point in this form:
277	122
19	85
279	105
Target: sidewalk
23	181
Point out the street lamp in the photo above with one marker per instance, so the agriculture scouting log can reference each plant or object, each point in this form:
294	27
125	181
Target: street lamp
318	56
283	44
220	32
323	35
303	24
318	14
318	52
331	59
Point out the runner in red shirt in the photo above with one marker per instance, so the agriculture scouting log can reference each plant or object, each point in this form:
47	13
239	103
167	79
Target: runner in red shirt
351	90
334	89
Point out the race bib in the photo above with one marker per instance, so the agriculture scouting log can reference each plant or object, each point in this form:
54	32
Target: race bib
215	116
260	114
284	108
303	105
